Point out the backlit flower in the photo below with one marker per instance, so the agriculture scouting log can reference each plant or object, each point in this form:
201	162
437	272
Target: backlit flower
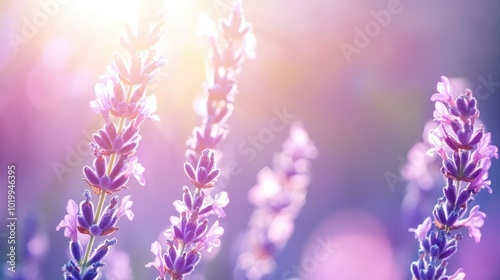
124	208
158	262
422	229
473	223
70	221
444	92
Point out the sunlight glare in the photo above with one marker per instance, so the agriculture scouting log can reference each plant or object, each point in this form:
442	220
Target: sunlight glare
109	10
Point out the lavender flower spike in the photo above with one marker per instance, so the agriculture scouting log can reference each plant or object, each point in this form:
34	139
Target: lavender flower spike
278	198
124	102
227	56
189	233
466	152
192	231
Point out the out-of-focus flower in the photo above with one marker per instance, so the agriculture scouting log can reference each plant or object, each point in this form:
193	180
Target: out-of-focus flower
207	27
268	187
143	38
278	197
227	55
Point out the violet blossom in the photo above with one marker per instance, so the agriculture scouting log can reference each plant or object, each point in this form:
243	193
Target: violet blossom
189	233
124	102
192	231
466	152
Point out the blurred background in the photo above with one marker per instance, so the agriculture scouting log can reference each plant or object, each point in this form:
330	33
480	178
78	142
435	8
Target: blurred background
359	82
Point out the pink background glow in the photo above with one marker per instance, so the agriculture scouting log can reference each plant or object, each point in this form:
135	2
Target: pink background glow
363	116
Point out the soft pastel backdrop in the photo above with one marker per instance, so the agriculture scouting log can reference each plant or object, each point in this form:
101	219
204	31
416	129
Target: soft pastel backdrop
363	115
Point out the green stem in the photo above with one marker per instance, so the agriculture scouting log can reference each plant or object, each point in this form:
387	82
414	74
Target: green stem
102	197
83	264
181	250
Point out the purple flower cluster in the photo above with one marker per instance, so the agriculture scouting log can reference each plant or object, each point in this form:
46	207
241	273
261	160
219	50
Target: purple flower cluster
122	99
190	231
466	151
81	220
278	198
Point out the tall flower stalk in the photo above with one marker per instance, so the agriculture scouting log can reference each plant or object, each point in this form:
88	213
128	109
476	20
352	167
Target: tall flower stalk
190	232
466	151
278	197
123	101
